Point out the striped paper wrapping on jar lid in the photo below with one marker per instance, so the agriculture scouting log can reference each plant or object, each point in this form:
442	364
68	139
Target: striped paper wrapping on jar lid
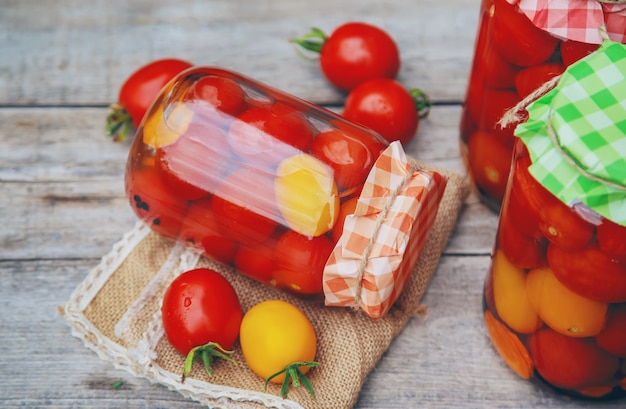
577	20
382	241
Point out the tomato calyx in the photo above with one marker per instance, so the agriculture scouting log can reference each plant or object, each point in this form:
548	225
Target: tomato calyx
208	352
294	375
119	123
312	41
422	102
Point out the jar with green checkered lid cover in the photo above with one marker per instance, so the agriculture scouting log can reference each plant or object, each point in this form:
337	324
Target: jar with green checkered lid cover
519	45
555	293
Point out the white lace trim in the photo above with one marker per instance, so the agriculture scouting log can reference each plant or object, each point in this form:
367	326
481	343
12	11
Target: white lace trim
141	360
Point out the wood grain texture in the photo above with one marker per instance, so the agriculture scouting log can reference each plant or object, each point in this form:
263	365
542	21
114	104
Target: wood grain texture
62	202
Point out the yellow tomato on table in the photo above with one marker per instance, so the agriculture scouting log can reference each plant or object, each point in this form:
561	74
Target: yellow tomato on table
278	341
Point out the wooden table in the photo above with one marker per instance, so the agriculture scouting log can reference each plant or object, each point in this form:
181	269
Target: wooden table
62	203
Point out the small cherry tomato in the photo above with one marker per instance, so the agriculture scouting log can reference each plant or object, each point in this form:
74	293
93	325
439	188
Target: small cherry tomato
525	199
572	51
590	273
354	53
196	163
490	70
154	202
522	250
489	111
348	207
529	79
385	106
612	239
202	229
263	136
518	39
570	363
301	260
278	341
245	200
201	316
489	163
223	93
257	260
138	92
349	157
562	225
613	337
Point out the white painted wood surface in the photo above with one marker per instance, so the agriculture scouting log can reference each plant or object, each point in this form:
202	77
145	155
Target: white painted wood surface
62	203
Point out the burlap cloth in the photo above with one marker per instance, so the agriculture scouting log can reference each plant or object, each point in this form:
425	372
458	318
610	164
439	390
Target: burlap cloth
115	311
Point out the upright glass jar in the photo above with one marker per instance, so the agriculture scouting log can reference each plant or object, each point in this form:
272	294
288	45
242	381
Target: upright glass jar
520	45
251	176
555	293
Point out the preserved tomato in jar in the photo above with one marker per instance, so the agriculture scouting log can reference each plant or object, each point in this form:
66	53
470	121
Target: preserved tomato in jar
249	175
555	292
520	45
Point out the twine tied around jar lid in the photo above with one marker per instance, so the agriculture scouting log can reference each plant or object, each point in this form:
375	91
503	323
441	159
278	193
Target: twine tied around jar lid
576	132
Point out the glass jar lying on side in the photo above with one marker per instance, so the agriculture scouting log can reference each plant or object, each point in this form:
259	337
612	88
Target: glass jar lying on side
555	293
513	56
249	175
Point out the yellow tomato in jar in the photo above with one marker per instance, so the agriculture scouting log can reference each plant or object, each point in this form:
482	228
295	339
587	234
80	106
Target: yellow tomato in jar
306	194
563	310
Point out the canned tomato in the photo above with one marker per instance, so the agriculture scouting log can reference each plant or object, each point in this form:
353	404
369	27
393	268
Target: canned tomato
519	46
249	175
555	293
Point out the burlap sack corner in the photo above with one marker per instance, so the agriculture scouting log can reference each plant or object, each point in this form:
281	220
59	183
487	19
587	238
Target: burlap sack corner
115	312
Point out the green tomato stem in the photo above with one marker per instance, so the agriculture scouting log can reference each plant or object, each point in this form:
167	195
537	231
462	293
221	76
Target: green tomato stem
295	376
119	123
422	102
312	41
208	353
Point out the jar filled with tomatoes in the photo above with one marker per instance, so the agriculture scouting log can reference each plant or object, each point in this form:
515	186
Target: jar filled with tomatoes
555	293
521	45
251	176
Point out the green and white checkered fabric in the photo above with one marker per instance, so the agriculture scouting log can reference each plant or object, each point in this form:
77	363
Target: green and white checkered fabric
576	134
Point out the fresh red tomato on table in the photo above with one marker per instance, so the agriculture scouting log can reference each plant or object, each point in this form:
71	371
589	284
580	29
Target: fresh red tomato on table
385	106
137	93
354	53
201	315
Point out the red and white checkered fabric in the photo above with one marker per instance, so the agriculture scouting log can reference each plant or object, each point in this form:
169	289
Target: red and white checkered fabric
577	20
395	239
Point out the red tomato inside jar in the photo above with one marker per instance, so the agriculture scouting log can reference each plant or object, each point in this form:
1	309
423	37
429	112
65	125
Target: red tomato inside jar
555	295
555	292
250	176
517	50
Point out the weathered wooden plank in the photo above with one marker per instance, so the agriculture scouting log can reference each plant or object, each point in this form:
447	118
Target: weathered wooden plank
84	218
68	53
443	361
63	193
